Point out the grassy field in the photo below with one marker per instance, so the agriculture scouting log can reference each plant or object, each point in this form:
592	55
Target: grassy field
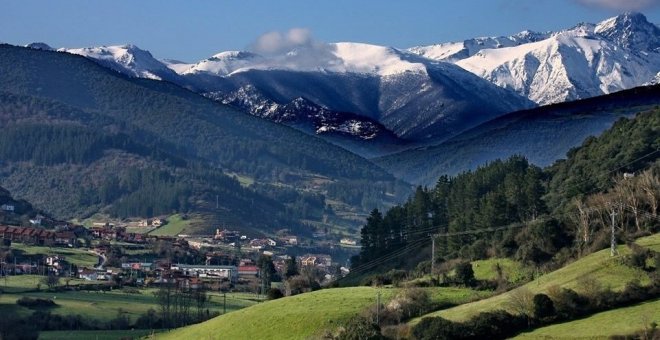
610	272
620	321
301	316
95	335
175	226
105	306
513	271
79	257
22	283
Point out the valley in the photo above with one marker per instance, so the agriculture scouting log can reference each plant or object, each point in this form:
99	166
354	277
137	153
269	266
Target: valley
496	187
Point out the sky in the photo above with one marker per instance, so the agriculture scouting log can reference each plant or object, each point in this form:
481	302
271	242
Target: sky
191	30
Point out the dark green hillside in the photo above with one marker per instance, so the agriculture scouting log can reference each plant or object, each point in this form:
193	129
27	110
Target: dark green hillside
630	145
106	128
538	216
542	135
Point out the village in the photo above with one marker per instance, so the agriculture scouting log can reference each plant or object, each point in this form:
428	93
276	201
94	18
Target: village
224	261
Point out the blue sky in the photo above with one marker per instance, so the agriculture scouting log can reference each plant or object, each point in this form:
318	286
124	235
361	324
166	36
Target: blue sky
194	29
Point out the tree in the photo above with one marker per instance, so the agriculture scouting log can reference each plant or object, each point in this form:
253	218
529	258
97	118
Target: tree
464	273
521	301
290	267
51	280
266	272
543	307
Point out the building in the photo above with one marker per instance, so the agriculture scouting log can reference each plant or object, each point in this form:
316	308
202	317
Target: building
347	241
248	271
88	274
308	261
290	240
65	238
210	272
8	207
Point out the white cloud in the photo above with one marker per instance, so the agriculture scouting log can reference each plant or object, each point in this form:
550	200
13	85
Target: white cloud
278	42
295	48
621	5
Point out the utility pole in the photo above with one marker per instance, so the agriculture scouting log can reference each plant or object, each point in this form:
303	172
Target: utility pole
433	237
224	303
613	250
378	308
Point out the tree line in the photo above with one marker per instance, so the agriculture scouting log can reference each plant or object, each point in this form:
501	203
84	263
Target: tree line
549	215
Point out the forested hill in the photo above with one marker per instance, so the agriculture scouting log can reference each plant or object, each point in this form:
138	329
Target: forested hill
538	216
104	125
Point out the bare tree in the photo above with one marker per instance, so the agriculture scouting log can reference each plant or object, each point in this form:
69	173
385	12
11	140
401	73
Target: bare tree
582	217
627	190
521	301
650	185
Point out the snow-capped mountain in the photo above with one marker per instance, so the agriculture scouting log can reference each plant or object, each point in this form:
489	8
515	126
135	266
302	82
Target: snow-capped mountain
455	51
584	61
415	98
127	59
423	94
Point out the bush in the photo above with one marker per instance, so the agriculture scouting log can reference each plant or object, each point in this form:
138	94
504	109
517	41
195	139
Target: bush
568	304
638	256
496	324
464	273
437	328
544	308
408	303
274	294
35	303
360	328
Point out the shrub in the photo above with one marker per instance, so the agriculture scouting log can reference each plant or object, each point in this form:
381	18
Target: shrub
464	273
408	303
496	324
568	304
360	328
437	328
274	294
544	308
35	303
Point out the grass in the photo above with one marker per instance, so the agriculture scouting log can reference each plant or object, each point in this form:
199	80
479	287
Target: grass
105	306
603	325
97	335
175	226
77	256
610	272
22	283
514	271
301	316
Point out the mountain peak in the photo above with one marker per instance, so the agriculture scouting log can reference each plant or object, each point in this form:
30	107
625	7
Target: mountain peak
39	46
631	30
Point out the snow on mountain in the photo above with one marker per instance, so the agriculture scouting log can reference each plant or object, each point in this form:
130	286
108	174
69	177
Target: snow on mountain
631	31
223	63
654	81
345	57
455	51
299	112
584	61
127	59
